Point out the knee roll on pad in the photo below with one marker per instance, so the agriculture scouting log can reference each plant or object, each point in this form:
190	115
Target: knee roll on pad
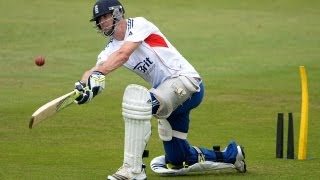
137	114
136	103
172	93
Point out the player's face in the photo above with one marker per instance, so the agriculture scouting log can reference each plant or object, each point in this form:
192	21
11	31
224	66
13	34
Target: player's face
106	22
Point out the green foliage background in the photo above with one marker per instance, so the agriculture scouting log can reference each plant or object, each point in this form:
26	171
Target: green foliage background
247	52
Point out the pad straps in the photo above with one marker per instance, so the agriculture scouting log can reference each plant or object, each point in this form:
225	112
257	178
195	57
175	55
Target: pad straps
145	154
219	156
201	156
179	135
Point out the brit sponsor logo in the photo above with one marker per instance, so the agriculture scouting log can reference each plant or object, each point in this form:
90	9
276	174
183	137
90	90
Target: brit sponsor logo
144	66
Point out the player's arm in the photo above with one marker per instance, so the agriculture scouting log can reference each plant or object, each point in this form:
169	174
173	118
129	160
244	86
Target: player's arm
114	61
118	58
93	81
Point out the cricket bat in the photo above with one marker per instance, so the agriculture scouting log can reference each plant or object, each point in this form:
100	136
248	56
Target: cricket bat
52	108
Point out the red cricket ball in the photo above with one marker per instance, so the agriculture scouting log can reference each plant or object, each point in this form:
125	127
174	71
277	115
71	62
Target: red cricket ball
39	61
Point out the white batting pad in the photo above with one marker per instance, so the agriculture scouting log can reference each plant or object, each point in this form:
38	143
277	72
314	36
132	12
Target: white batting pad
158	165
137	114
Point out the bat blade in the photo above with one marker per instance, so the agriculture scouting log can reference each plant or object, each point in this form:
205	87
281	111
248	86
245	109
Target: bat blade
52	107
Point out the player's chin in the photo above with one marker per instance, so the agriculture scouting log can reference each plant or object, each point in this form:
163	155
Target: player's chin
105	30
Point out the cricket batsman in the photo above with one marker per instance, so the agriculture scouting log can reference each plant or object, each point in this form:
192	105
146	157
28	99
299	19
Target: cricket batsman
175	89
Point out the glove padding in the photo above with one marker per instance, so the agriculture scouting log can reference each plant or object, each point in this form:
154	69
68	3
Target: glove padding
85	93
96	82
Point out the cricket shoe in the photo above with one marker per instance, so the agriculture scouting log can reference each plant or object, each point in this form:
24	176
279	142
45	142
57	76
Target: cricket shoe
240	164
125	173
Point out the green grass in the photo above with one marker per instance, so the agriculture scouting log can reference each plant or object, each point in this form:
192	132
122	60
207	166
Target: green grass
248	53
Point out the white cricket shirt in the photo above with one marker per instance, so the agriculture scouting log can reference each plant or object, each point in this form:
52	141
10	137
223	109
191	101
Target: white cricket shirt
156	59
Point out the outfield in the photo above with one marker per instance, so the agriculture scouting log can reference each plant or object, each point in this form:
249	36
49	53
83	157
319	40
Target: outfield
247	52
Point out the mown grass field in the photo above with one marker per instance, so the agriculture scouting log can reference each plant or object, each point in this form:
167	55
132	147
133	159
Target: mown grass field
248	53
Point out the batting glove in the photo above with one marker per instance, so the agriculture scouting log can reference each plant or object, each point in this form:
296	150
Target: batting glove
85	93
96	82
